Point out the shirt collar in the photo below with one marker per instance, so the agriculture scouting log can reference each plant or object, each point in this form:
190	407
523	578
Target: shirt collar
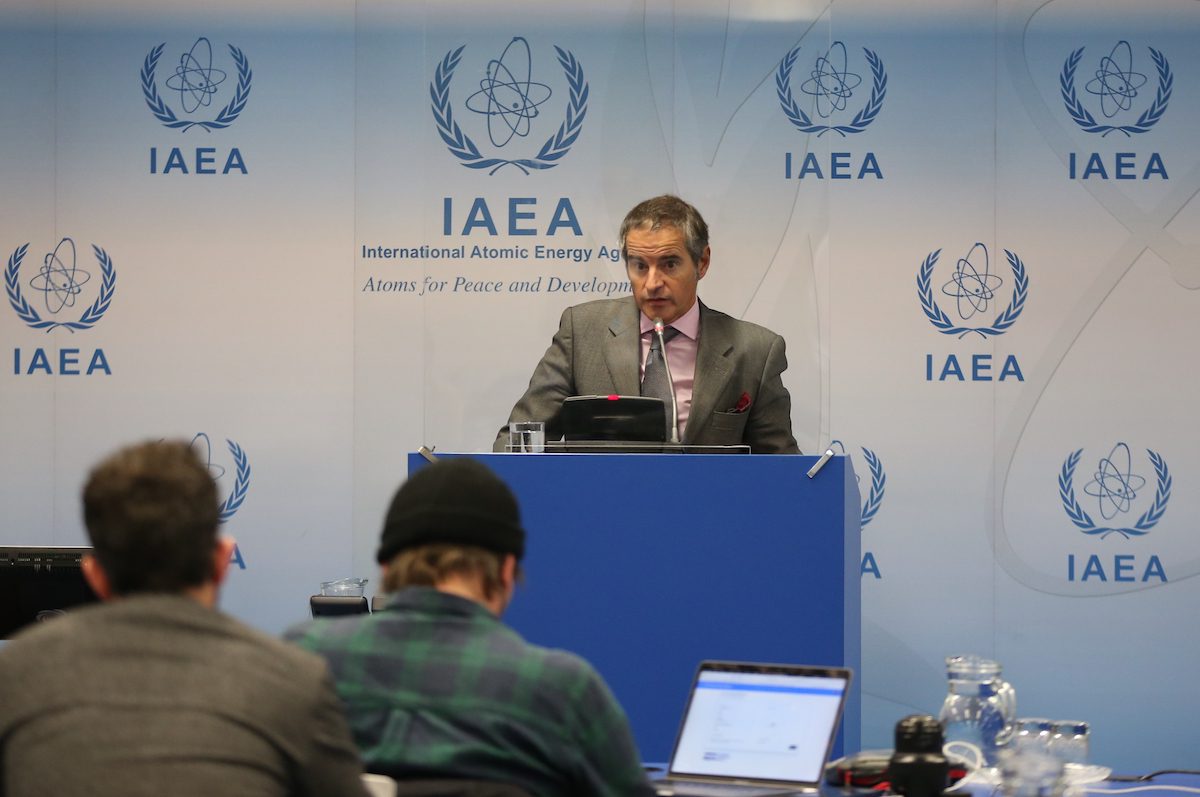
688	324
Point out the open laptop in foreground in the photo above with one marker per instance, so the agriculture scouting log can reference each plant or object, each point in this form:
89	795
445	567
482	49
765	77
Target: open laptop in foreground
756	729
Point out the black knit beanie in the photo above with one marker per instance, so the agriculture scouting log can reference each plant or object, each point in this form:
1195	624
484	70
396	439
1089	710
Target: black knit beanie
457	501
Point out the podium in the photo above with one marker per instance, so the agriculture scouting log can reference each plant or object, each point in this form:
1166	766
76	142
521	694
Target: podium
645	564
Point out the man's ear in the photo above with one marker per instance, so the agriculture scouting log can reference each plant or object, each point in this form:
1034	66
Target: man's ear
702	266
222	555
95	577
508	585
385	571
508	572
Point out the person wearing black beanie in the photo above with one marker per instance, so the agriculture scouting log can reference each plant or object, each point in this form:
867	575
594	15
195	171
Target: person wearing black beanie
455	526
436	686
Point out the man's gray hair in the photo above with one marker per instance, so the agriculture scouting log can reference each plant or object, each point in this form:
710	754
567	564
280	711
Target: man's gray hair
668	211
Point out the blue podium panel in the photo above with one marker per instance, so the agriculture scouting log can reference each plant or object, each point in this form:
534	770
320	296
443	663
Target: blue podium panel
646	564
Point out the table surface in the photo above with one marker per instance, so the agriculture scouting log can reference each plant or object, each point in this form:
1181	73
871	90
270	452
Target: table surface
1164	785
1168	784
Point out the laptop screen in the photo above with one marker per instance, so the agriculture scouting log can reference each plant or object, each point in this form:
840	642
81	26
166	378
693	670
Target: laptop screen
760	722
614	418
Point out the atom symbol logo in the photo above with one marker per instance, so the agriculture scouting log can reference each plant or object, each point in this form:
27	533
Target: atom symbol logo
197	82
509	103
202	445
1115	82
195	78
58	282
509	98
830	82
1114	485
973	289
203	448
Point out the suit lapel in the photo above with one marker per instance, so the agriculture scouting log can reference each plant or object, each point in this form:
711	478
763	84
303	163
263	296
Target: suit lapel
713	369
622	350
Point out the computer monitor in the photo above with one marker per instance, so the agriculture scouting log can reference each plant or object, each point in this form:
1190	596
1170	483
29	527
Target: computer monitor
625	418
40	583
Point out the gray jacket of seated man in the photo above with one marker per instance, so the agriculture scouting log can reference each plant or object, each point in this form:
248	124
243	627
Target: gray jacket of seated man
154	691
156	694
597	351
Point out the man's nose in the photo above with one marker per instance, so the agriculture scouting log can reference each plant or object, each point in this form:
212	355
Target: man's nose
654	279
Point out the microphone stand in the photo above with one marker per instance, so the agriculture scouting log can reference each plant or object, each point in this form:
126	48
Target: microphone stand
662	344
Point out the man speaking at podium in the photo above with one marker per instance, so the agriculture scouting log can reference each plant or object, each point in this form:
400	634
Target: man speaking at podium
726	373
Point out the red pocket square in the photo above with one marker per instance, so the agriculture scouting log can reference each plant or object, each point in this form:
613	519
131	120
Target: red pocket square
743	403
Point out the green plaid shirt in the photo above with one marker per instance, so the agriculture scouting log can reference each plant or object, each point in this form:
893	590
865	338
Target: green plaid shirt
436	686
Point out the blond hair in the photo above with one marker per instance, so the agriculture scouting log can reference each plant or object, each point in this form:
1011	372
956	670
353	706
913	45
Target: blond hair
429	565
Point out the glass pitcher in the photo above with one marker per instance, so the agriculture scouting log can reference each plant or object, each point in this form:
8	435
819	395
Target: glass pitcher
980	708
345	587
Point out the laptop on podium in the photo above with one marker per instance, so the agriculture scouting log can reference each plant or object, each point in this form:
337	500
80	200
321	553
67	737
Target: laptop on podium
753	730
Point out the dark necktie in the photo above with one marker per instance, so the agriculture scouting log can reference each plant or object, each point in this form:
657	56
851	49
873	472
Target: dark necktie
654	378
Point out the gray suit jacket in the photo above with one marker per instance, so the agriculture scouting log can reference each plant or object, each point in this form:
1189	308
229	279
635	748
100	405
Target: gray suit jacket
597	349
158	695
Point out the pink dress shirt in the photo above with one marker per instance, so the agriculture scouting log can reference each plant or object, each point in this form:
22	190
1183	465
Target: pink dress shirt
681	357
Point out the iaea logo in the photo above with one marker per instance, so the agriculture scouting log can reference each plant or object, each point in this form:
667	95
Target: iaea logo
60	281
975	289
241	483
509	100
1117	84
1115	487
872	502
831	85
195	85
874	497
63	285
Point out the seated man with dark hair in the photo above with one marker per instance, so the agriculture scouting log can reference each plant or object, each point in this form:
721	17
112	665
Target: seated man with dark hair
436	686
153	691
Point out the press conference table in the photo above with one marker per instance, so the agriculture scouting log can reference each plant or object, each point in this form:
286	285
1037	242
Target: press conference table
1170	784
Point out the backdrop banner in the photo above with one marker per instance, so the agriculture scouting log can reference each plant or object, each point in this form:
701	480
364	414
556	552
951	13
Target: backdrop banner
312	236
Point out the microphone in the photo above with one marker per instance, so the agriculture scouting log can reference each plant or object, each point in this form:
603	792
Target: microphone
820	463
662	343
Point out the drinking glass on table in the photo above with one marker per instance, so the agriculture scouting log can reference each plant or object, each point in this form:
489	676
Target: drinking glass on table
1034	733
1030	772
527	437
1069	742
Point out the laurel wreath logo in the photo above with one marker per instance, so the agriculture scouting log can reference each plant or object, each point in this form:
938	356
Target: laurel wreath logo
942	322
878	482
1147	120
28	314
803	122
163	112
241	484
463	148
1149	518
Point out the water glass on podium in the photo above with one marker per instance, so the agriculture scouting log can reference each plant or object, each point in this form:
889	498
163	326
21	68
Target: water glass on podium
527	437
